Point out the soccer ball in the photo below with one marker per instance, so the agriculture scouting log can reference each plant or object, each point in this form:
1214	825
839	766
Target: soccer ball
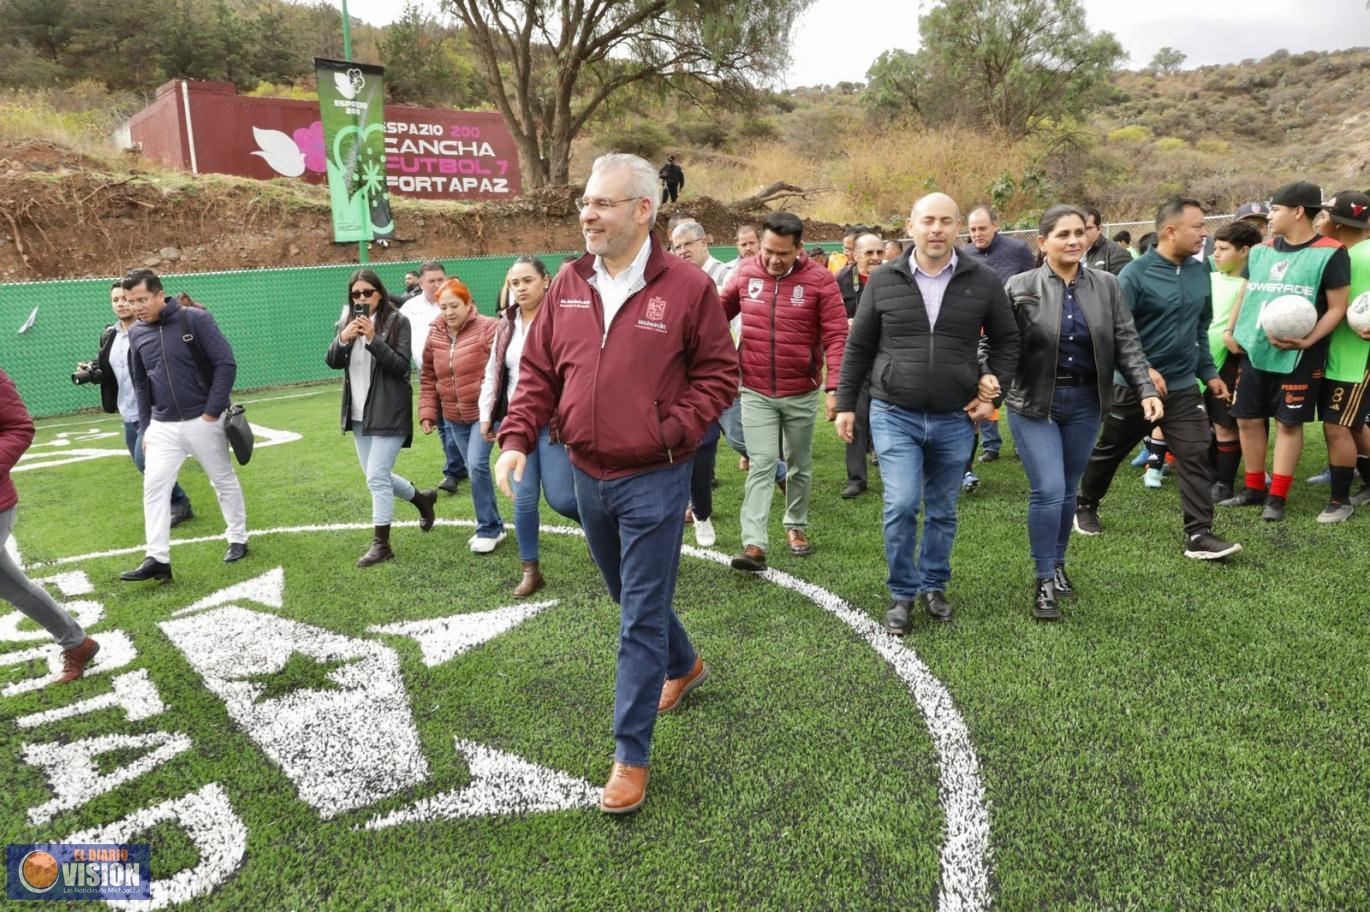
1358	314
1289	317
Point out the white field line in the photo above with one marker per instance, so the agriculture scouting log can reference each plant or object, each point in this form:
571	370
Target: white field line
101	419
965	859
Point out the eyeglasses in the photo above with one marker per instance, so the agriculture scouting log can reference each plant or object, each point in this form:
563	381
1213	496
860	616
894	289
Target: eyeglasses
359	293
599	203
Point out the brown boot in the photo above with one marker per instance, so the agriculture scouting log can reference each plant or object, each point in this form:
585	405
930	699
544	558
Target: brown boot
626	789
532	580
75	660
425	500
379	550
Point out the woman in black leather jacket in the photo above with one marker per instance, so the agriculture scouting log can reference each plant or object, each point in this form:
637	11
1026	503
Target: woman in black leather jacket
372	349
1075	329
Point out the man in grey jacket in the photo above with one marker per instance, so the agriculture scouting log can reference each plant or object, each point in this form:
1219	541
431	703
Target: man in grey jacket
183	372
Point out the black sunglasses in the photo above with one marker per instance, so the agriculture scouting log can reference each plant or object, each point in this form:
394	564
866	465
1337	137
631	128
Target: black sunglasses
359	293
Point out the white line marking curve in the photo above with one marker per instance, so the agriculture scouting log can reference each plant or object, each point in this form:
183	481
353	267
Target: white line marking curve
965	860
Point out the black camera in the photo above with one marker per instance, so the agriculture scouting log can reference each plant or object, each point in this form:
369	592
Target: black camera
87	372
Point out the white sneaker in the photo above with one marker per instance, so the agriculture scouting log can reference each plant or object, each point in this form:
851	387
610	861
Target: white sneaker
1153	478
480	545
704	533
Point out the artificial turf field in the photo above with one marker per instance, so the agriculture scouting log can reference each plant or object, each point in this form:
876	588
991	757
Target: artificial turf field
1190	736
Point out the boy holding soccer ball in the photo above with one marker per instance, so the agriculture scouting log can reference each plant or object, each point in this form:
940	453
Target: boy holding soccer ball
1281	377
1344	403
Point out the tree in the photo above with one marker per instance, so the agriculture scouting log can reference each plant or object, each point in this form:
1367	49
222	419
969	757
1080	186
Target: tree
423	63
551	64
1166	62
892	85
1013	64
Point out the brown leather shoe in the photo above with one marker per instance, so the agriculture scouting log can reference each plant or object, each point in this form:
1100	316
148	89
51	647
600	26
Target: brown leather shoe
752	559
799	543
626	789
532	580
675	689
75	660
744	464
689	516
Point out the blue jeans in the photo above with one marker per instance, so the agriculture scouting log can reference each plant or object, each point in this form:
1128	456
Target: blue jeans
702	476
477	461
453	451
1055	452
922	458
634	526
377	456
548	471
990	437
730	423
134	441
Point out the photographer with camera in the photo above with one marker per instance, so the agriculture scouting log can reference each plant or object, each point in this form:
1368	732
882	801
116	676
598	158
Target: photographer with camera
110	370
372	349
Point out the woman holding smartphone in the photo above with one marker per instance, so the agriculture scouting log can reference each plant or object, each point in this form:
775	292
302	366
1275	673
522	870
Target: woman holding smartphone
372	349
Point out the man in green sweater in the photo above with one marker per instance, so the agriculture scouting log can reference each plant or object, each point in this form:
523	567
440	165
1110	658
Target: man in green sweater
1170	296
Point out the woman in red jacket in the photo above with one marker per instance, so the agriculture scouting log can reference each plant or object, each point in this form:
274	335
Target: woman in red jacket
454	357
16	434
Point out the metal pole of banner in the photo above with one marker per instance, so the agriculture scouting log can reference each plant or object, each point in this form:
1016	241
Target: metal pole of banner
362	256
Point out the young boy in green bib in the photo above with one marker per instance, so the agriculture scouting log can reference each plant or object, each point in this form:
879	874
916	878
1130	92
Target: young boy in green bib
1344	402
1281	377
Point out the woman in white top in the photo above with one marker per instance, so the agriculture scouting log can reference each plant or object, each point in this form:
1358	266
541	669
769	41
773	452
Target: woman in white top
548	469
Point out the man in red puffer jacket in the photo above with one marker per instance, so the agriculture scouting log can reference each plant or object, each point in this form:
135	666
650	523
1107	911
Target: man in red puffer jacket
792	321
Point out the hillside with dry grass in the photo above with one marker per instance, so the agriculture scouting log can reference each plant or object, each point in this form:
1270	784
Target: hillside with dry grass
74	204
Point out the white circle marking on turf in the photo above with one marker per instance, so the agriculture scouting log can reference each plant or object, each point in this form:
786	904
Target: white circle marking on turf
965	854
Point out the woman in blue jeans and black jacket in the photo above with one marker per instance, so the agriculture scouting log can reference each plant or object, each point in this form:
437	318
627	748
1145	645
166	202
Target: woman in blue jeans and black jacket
372	350
1076	330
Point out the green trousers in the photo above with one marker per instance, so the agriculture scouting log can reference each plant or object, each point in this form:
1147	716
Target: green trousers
766	422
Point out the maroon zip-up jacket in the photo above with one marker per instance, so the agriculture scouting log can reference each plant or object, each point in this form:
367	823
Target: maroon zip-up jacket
16	433
643	397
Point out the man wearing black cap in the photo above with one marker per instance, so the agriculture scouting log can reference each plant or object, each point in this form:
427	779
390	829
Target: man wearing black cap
1342	403
1280	378
1257	214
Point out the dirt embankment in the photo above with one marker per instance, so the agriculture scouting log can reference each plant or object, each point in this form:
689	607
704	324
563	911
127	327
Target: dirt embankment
64	216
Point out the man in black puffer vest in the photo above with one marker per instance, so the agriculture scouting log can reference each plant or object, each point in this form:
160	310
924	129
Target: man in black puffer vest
916	335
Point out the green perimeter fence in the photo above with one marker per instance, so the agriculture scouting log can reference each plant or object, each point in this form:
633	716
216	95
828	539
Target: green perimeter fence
279	321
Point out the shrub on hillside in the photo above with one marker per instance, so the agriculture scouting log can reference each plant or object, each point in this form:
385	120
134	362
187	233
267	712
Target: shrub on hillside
1132	133
641	137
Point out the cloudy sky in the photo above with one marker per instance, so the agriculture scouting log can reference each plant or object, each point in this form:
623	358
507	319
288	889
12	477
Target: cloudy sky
837	39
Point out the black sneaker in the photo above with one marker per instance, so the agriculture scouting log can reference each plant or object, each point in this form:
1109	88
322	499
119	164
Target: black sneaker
1044	604
853	489
448	484
1087	521
1207	546
988	456
1220	492
1064	589
1249	497
1274	509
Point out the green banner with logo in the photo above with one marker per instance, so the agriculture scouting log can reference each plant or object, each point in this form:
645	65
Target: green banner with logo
352	108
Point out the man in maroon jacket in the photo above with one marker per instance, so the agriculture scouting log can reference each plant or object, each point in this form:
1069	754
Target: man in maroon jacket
632	353
792	318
